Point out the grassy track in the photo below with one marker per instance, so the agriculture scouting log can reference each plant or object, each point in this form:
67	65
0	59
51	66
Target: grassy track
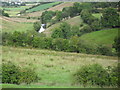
42	7
105	37
54	68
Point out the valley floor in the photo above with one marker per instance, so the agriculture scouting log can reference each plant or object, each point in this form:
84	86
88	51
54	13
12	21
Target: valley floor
54	68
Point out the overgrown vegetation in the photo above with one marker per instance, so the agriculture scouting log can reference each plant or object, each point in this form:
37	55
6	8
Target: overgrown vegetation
96	75
36	40
13	74
2	12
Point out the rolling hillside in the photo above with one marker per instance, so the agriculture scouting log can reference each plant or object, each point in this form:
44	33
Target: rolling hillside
9	25
105	37
54	68
57	7
42	7
75	21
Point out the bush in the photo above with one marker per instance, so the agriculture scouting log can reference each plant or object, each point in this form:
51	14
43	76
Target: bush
15	75
95	75
104	50
37	26
116	45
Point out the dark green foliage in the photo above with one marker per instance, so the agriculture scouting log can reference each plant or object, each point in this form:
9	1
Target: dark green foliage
60	44
15	75
47	16
89	19
62	32
85	29
110	18
116	45
65	12
104	50
59	16
57	33
95	25
72	43
42	42
75	31
2	12
104	4
96	75
37	26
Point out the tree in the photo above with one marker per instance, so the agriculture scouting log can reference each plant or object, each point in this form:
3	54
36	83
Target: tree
66	28
95	25
36	26
85	29
57	33
2	12
116	44
75	31
110	18
62	32
59	16
65	12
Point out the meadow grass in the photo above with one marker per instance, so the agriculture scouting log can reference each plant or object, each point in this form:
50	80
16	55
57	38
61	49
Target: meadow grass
42	7
13	11
97	15
54	68
103	37
10	26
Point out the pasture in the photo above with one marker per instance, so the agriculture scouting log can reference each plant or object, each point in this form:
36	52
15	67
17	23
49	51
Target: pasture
13	11
103	37
11	26
55	68
42	7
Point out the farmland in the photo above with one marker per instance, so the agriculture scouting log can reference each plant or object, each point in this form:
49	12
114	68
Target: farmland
42	7
55	68
103	37
11	26
74	38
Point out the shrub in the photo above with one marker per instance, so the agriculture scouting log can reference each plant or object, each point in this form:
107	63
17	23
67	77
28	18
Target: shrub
116	45
95	75
104	50
15	75
37	26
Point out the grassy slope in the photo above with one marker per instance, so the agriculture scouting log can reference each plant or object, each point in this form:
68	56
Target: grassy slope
97	15
55	68
75	21
101	37
10	26
15	10
42	7
57	7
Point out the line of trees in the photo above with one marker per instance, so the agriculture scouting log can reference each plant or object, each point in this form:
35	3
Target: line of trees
35	40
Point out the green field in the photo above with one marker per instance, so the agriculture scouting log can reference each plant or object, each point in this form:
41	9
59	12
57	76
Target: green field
13	11
97	15
10	26
42	7
103	37
54	68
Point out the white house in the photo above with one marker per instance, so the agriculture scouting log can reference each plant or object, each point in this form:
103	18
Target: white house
42	28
